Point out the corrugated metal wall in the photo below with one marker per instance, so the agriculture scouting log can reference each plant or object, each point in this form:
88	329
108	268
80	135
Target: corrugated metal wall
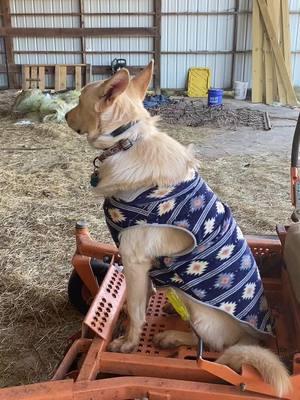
3	77
123	45
192	33
243	65
180	34
295	40
46	44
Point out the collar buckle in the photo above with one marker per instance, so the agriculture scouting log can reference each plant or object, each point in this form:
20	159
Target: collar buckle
126	144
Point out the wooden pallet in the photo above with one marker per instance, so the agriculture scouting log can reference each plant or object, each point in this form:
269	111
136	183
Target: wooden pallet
33	76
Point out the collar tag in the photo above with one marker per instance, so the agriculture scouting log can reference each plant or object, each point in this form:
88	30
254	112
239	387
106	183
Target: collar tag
95	178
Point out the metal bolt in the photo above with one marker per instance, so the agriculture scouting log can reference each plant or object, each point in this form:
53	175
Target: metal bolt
81	224
242	387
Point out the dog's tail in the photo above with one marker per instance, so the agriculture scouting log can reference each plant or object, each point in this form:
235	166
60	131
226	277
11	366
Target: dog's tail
263	360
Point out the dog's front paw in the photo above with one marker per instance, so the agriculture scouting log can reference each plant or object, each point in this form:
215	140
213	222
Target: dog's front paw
165	340
122	345
170	339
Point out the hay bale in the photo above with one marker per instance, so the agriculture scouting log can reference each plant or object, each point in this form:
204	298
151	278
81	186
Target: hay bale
49	107
28	101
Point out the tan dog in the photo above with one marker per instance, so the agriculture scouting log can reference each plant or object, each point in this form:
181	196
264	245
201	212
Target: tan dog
155	159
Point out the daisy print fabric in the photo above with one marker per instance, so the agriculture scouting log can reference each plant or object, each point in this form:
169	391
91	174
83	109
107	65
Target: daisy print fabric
220	270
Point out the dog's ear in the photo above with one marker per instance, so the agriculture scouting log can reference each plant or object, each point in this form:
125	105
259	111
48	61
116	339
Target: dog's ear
114	86
141	81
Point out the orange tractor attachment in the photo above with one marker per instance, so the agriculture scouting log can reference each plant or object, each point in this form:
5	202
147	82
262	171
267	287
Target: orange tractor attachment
97	288
88	371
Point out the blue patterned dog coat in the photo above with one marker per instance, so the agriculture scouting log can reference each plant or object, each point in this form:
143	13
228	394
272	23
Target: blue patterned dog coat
220	270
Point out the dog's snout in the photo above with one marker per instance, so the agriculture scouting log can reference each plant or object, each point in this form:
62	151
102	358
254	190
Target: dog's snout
78	131
66	116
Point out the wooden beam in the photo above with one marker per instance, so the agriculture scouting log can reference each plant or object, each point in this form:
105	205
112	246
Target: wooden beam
60	77
258	81
34	77
82	25
76	32
78	77
25	77
8	44
286	36
157	46
42	82
134	14
291	96
278	86
95	70
268	70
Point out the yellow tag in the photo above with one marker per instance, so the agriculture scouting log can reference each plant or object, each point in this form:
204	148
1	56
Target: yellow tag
178	304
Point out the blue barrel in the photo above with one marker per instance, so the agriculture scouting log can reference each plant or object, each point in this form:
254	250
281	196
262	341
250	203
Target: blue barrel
215	97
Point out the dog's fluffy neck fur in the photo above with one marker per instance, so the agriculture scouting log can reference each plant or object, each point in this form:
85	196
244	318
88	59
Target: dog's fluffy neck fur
155	159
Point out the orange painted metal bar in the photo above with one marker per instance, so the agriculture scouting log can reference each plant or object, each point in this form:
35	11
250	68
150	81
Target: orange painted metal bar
85	249
294	179
59	390
138	387
90	367
82	265
260	241
79	346
92	248
272	284
160	367
281	232
124	388
292	305
249	380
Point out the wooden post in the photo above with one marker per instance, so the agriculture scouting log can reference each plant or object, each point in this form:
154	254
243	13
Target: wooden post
258	81
286	37
60	77
278	87
8	43
78	77
235	30
82	25
157	46
42	77
34	77
25	77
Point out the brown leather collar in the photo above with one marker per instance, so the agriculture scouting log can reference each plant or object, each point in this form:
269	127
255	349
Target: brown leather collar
121	145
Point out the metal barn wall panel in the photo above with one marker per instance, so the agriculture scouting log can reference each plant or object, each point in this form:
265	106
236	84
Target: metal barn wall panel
3	77
123	45
45	6
294	5
184	33
197	5
295	45
120	48
46	44
118	6
243	65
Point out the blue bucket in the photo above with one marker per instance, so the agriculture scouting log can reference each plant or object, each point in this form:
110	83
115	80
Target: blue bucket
215	97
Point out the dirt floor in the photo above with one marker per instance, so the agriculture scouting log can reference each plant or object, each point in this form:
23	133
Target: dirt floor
44	184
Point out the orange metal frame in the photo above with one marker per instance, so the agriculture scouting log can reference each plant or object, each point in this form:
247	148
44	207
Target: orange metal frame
88	371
